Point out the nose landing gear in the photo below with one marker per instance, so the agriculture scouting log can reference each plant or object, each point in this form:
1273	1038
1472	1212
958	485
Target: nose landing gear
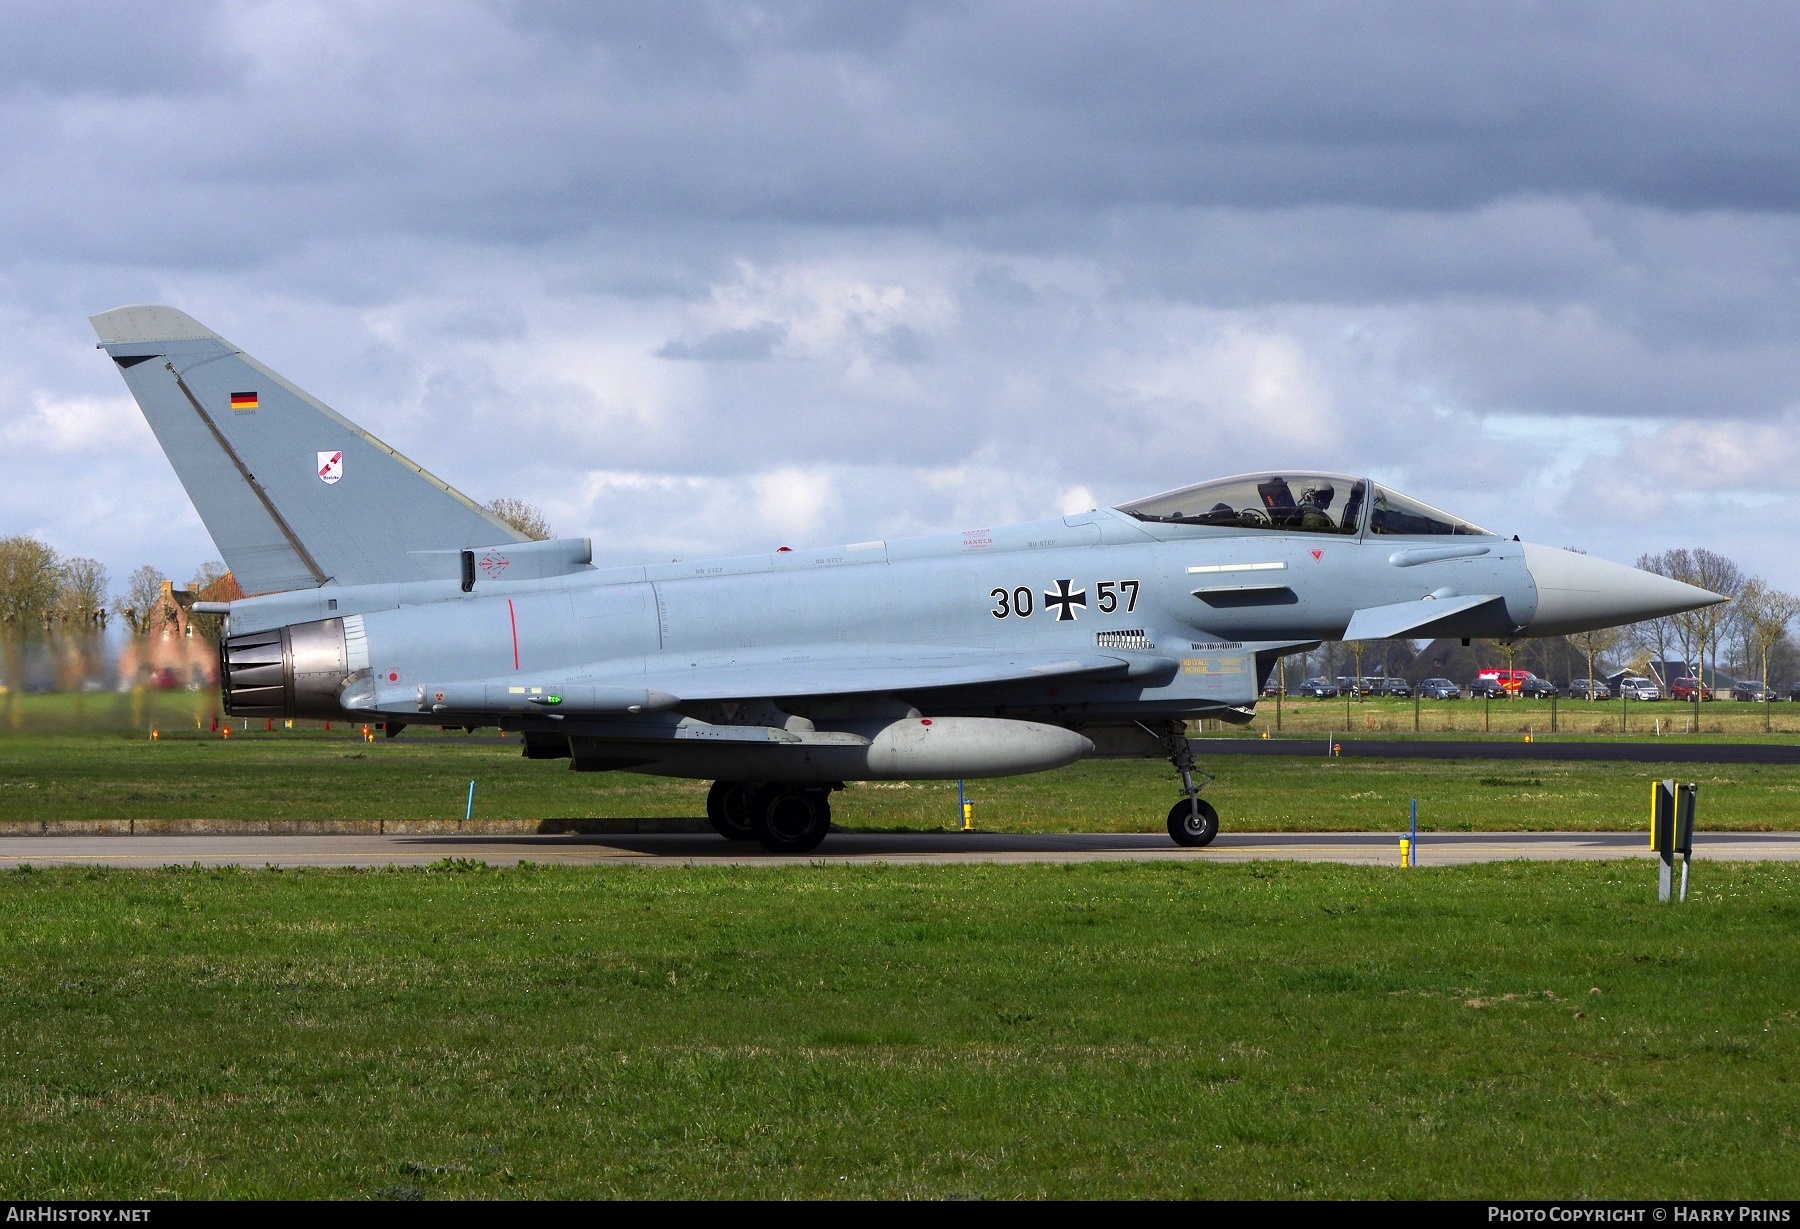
1192	822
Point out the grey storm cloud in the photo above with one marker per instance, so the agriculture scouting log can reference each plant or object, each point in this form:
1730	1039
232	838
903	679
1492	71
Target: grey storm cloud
728	345
705	274
510	123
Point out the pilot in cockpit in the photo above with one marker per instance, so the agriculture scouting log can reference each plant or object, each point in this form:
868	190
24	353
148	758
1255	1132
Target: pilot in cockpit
1315	505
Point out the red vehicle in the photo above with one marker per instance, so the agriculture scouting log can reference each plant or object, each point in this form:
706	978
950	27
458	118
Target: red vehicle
1511	681
1684	687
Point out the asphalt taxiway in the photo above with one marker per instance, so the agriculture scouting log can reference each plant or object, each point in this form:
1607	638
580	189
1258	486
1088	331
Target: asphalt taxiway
1662	751
682	849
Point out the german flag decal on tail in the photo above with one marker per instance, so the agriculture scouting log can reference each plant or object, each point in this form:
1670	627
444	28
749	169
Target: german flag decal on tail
242	403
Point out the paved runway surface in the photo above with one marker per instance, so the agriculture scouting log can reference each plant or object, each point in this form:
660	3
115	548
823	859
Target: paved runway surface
850	847
1669	752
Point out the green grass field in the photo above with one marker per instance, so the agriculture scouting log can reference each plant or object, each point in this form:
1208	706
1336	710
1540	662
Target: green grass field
174	712
423	775
1093	1030
1361	718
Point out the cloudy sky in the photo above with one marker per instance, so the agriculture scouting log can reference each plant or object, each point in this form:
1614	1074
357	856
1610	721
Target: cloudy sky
711	278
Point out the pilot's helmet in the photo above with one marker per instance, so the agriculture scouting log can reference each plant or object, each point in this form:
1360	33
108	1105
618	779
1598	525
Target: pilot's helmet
1319	496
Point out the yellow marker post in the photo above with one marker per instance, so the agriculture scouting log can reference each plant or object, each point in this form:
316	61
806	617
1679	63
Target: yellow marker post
1662	834
1406	851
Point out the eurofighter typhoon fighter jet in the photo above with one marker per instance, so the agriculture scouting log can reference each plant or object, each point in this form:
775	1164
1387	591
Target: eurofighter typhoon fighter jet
378	593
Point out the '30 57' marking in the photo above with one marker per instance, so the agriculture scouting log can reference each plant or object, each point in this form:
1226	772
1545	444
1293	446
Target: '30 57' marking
1065	600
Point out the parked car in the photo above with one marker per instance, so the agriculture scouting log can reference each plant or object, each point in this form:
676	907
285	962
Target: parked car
1397	688
1486	687
1589	689
1794	693
1638	689
1509	680
1684	688
1273	686
1320	688
1348	686
1440	689
1752	691
1535	688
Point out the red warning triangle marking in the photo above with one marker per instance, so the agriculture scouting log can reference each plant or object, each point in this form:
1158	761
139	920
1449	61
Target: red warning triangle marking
1317	555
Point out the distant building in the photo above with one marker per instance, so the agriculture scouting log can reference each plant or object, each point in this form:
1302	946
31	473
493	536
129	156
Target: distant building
1446	659
169	651
1667	670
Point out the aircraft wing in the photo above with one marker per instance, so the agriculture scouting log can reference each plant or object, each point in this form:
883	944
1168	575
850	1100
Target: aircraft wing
1411	618
650	684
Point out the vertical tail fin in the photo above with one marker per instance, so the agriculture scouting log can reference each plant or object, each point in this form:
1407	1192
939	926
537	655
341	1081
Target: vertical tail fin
294	494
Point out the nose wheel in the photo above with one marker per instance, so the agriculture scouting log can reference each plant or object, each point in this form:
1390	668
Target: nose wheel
1192	822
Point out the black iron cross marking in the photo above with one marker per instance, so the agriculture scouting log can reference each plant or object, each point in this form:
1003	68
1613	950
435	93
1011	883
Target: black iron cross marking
1064	601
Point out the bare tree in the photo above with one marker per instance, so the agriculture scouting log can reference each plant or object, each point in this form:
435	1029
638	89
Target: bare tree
1592	644
207	575
142	589
1659	635
81	595
30	577
1715	572
1680	630
1698	630
1764	614
522	516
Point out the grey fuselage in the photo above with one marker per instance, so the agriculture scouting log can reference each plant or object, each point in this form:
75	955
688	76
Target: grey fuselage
1194	616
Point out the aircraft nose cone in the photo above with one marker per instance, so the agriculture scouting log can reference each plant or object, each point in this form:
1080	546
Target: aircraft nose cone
1577	593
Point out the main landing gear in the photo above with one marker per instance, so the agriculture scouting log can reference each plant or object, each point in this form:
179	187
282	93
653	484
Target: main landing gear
728	807
1192	821
781	818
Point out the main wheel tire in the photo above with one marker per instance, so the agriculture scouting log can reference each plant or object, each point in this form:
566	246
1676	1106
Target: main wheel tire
787	820
1185	828
728	807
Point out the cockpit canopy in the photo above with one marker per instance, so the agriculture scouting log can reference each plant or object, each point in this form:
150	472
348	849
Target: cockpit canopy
1395	513
1304	503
